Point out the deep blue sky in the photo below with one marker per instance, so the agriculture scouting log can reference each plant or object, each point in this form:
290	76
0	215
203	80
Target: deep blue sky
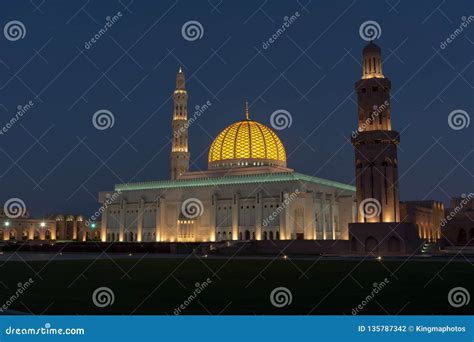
68	87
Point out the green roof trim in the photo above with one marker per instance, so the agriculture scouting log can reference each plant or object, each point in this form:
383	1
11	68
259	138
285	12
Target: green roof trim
231	180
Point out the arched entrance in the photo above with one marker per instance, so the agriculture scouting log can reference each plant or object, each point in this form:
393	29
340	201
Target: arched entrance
462	237
371	245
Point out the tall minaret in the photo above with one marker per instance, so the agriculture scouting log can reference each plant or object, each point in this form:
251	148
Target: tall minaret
375	144
179	157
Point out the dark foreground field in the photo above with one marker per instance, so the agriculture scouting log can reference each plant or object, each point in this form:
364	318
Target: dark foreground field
239	286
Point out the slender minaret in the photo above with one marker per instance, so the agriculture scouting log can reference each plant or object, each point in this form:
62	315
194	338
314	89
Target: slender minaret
179	157
375	144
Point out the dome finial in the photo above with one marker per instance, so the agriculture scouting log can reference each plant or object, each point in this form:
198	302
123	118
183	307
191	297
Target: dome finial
247	114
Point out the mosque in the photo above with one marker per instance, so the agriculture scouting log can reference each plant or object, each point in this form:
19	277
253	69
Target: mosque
248	193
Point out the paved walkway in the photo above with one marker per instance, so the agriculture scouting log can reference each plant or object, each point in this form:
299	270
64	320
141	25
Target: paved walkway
39	256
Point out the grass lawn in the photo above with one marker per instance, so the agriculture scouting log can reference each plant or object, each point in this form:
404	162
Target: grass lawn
158	286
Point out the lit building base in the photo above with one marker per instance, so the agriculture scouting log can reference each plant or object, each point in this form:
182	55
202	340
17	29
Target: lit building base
384	238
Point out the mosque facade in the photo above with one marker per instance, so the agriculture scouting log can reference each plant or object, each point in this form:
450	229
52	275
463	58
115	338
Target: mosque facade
248	192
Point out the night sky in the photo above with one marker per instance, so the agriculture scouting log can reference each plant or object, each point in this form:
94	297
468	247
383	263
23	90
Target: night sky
55	160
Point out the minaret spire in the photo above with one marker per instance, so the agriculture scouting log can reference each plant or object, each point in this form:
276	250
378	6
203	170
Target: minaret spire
375	142
247	114
179	157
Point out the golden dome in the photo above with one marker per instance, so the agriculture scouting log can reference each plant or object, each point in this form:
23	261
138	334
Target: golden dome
246	143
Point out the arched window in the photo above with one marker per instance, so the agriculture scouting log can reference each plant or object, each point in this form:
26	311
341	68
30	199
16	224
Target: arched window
1	235
394	244
240	236
264	235
130	235
271	235
471	236
24	235
247	235
47	235
277	235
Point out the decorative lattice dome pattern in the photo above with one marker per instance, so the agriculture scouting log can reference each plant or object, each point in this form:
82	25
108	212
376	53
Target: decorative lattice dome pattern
246	143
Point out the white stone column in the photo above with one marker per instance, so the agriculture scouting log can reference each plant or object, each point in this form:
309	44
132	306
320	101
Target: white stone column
213	218
258	215
235	216
140	217
309	226
331	216
323	213
123	205
103	224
